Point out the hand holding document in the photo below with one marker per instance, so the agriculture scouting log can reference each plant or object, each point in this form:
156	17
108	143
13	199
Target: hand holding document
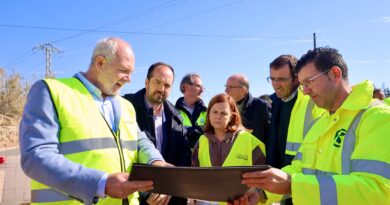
212	184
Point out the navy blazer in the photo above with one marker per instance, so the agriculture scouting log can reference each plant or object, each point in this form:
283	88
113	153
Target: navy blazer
175	147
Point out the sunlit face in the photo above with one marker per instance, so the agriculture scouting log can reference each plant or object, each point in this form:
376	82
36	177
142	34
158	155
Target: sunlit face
113	75
220	115
194	90
234	89
282	82
321	89
159	86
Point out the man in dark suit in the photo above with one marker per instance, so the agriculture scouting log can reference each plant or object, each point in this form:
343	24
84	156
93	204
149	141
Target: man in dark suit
255	112
161	122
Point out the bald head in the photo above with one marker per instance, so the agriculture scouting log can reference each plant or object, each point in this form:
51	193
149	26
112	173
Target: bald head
241	79
237	86
112	63
110	48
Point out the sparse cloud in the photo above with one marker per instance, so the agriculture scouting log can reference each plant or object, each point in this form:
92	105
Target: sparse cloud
384	19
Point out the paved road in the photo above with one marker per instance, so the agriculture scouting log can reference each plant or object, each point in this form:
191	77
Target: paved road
14	185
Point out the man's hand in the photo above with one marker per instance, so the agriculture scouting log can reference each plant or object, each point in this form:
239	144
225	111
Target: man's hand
251	197
158	199
118	186
272	180
160	163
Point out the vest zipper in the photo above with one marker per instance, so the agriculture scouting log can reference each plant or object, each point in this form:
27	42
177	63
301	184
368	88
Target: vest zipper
118	145
121	157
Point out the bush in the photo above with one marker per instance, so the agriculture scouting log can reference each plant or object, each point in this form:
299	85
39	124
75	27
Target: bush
13	94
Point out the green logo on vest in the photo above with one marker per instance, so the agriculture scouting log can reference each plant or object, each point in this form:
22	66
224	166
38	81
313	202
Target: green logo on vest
339	137
241	156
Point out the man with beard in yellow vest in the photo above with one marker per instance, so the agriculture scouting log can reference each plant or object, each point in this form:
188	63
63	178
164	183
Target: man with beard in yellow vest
79	139
344	157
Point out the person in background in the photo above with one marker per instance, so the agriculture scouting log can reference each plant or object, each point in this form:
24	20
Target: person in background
378	94
225	141
344	158
292	112
191	106
161	122
254	112
79	139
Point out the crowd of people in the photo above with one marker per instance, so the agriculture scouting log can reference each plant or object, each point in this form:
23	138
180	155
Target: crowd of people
325	139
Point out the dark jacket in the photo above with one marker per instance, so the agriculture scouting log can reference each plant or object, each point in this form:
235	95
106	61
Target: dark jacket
256	116
276	146
175	148
195	131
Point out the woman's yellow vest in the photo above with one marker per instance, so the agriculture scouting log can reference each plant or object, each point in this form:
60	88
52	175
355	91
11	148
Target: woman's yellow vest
239	155
85	138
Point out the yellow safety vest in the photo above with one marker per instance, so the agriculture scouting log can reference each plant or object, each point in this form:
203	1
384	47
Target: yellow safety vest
303	116
239	155
187	122
387	101
86	139
344	158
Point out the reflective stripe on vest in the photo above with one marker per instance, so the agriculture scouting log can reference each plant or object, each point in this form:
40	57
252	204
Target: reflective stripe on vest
94	144
303	115
293	147
84	134
328	189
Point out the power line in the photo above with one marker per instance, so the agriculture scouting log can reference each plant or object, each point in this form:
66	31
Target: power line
85	31
21	58
124	19
193	15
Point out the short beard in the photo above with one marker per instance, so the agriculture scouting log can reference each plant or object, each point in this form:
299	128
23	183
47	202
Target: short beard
156	100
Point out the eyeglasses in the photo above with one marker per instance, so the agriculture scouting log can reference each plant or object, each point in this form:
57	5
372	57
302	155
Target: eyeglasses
200	87
277	80
309	82
228	87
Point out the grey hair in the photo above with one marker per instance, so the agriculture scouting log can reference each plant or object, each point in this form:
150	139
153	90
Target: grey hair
187	79
107	48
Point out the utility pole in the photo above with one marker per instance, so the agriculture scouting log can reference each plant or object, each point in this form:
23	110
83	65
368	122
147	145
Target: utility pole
314	40
49	49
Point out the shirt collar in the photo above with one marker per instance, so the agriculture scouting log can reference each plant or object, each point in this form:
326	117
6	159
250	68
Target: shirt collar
95	92
359	98
291	96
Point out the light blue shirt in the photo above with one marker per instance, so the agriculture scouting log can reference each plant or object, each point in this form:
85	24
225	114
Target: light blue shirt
39	148
105	105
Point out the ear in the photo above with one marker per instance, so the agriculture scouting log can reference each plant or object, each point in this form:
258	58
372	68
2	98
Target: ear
336	73
99	62
186	87
146	82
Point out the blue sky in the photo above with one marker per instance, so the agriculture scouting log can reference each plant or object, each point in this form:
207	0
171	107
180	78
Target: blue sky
214	38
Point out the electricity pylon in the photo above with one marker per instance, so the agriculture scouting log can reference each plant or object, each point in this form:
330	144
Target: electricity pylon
49	49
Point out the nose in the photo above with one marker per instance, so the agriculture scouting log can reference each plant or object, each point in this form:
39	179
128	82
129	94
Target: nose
127	78
306	90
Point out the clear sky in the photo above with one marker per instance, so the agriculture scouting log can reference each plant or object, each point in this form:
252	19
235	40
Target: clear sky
213	38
